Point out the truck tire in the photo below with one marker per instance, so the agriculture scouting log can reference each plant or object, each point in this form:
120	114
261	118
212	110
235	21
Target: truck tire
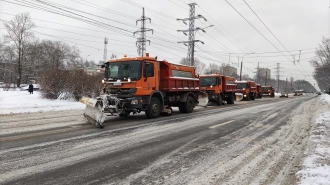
248	97
219	100
231	99
180	105
272	95
189	105
253	97
154	108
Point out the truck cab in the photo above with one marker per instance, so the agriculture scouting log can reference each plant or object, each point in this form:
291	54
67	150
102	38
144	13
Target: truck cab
219	88
248	89
268	91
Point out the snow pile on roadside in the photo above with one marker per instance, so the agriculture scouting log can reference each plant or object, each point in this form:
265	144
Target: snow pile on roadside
325	97
316	166
24	102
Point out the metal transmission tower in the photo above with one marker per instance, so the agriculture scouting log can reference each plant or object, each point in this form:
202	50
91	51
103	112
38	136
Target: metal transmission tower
105	54
191	40
141	42
277	77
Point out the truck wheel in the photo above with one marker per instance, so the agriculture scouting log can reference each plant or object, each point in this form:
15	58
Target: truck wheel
189	105
180	105
154	108
253	97
219	101
248	98
230	99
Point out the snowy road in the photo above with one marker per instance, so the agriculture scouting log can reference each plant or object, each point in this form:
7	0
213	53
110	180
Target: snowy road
256	142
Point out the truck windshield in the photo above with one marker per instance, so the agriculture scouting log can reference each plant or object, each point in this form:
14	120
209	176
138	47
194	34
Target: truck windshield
121	70
208	81
241	85
266	88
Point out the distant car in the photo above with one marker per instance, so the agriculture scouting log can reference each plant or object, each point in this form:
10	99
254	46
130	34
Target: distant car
319	93
284	95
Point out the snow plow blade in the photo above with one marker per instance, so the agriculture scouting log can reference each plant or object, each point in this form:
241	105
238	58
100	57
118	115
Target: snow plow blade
239	96
93	111
203	99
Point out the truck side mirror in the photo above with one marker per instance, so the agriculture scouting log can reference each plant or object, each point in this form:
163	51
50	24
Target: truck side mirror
106	71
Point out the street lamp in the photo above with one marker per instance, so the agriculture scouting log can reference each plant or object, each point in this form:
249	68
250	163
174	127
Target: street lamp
240	75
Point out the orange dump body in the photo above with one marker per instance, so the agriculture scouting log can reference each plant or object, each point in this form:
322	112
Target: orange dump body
259	91
174	77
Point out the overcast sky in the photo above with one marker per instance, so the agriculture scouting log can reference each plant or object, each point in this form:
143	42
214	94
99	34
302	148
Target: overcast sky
297	24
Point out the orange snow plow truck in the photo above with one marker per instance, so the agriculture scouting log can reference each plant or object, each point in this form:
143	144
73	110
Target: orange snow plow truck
248	89
143	84
220	89
268	91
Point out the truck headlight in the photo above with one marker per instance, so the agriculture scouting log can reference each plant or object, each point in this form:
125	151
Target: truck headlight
103	81
244	95
134	102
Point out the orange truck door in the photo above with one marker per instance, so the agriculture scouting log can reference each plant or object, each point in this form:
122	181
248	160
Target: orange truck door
150	77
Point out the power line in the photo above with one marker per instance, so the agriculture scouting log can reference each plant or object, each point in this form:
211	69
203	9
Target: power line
255	28
266	26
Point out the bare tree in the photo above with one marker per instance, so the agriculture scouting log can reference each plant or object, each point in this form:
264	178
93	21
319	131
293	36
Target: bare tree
199	66
113	56
213	68
19	31
321	64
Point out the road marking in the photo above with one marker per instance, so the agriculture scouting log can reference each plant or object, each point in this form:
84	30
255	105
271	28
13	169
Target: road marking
214	126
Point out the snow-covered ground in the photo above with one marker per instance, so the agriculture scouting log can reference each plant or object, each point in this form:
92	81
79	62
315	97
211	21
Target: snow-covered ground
24	102
316	165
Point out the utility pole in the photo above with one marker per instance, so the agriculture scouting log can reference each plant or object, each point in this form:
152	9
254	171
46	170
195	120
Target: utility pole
266	78
258	74
191	31
105	54
286	82
141	42
291	79
240	75
277	77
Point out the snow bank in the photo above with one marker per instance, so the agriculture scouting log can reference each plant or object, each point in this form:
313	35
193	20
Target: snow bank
325	97
316	166
24	102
